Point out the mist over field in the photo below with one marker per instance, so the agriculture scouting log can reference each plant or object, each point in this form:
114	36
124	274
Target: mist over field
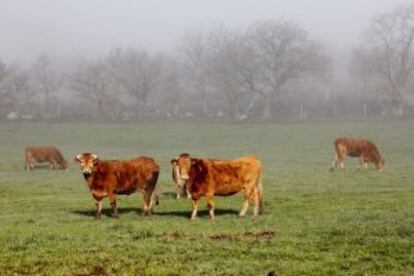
104	105
216	60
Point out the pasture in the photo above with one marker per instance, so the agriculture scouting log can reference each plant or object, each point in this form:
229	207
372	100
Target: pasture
315	221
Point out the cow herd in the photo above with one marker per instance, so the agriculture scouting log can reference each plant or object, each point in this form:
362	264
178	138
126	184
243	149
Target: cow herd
193	177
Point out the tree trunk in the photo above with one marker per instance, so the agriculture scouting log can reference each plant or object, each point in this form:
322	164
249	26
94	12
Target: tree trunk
250	106
267	107
301	112
398	110
204	103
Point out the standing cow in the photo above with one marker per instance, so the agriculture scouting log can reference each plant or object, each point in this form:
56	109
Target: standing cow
209	178
109	178
364	149
181	186
44	154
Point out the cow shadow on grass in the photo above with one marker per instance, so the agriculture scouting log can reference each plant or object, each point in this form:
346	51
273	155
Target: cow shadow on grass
106	212
187	213
169	194
200	213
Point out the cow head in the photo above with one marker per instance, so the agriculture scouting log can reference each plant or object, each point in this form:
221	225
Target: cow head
181	167
380	165
87	162
64	165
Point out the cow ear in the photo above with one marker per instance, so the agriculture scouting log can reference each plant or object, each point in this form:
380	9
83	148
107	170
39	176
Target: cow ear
94	158
78	158
174	161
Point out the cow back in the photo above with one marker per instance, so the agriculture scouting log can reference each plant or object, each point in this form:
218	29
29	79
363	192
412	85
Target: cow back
124	176
223	177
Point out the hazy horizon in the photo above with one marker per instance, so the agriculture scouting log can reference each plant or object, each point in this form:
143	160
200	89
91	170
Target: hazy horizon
85	28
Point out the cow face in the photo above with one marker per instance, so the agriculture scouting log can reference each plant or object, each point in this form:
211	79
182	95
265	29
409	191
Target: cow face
176	174
380	165
64	165
87	162
182	166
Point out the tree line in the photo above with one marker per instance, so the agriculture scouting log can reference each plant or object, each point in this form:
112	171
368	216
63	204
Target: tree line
272	69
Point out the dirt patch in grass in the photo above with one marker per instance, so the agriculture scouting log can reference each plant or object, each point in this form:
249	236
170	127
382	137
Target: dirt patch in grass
94	271
221	236
265	234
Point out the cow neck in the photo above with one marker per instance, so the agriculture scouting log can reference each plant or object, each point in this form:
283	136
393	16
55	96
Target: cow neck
198	172
95	170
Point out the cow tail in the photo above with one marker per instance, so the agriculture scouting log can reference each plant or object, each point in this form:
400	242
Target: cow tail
156	191
26	153
260	192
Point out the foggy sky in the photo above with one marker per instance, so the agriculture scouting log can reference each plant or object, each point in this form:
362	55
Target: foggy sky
89	27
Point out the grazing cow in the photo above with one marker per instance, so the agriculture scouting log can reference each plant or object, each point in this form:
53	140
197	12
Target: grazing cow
109	178
207	177
180	184
364	149
44	154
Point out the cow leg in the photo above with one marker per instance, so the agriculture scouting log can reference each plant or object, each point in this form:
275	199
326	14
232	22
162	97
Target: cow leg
178	192
210	206
147	203
334	161
195	209
153	198
98	209
256	203
53	164
187	191
341	162
114	209
245	204
112	199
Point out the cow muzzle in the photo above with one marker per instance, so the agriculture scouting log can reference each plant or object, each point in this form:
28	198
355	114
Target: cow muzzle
185	177
86	173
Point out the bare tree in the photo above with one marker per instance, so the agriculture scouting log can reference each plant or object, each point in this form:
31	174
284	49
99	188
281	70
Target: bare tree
93	81
46	81
223	59
15	89
388	47
137	73
171	89
192	56
45	76
282	52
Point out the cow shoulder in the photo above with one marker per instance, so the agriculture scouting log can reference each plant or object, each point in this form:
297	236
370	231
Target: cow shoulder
199	171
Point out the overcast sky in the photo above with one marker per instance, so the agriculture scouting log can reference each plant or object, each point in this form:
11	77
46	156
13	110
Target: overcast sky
84	27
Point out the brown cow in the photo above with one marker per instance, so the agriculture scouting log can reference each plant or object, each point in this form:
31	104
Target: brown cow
366	150
109	178
44	154
180	184
207	177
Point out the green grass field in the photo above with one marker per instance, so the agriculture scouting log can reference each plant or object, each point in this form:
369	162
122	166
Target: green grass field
315	222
